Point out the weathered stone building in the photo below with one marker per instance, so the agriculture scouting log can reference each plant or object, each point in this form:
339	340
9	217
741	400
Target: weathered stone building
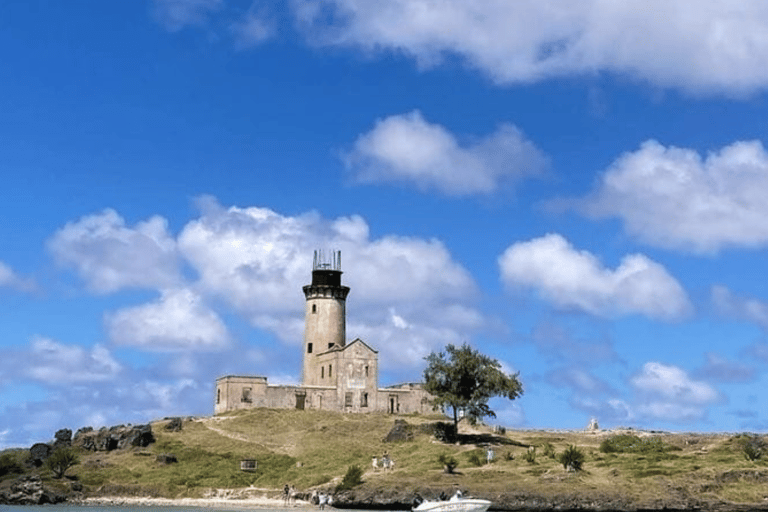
336	375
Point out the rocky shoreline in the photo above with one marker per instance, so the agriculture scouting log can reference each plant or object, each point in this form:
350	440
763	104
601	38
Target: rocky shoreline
29	490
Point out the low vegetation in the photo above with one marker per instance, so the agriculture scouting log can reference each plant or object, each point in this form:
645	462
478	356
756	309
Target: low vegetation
325	451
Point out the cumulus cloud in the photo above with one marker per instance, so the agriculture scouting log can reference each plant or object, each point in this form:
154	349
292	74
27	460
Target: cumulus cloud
694	45
56	363
252	29
408	149
109	256
579	381
675	198
668	393
177	14
256	261
10	279
179	320
731	305
577	279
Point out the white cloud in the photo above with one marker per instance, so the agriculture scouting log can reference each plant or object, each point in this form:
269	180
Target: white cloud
111	256
576	279
258	260
730	305
672	197
55	363
695	45
661	394
672	383
179	320
252	29
254	262
408	149
9	278
177	14
579	381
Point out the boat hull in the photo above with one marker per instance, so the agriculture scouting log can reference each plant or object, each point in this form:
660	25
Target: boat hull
461	505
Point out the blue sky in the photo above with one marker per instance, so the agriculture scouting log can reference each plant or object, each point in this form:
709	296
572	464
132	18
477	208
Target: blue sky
577	189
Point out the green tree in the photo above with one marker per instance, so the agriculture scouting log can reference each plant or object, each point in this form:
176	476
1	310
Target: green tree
464	380
60	461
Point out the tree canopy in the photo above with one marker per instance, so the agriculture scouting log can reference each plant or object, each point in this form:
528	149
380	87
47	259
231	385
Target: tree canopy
464	380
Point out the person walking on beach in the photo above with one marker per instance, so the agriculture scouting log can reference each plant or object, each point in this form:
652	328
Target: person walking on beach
286	494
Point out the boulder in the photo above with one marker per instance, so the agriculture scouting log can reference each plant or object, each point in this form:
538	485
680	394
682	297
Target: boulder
401	431
166	458
62	438
29	490
38	453
115	438
174	425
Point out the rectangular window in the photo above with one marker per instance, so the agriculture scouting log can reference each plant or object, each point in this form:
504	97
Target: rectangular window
314	308
322	372
364	400
330	371
246	395
348	399
366	370
309	348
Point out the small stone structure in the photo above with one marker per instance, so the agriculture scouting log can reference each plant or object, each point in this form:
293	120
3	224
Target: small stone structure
336	375
248	465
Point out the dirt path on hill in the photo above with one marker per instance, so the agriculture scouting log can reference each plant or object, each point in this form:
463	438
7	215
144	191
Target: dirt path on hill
277	447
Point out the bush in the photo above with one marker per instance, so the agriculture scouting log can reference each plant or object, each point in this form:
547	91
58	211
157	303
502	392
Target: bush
548	450
530	455
60	461
629	443
353	478
475	459
9	465
752	447
446	432
448	463
572	458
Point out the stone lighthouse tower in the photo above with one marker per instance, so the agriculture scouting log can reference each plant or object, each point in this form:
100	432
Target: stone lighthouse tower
324	315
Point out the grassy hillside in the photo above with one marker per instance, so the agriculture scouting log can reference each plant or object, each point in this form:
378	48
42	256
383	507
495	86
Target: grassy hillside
314	449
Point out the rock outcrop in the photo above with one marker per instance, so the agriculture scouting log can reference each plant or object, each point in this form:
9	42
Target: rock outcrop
114	438
38	453
29	490
62	438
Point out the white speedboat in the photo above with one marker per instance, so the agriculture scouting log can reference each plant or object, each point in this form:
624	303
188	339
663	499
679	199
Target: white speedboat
457	503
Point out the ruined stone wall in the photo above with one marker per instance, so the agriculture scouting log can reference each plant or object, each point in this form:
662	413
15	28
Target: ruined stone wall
239	392
404	399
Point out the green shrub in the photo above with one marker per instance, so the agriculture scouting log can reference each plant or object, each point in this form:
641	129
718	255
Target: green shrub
447	462
752	447
630	443
60	461
530	455
9	465
475	459
548	450
572	458
352	478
